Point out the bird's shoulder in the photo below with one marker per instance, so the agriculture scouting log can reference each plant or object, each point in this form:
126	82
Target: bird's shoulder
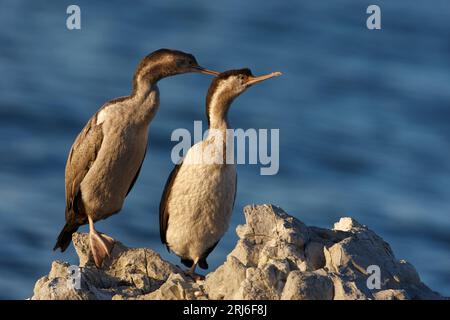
195	154
110	108
90	136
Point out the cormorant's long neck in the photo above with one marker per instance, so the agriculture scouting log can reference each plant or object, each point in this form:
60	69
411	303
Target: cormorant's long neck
141	90
146	79
217	108
217	111
145	95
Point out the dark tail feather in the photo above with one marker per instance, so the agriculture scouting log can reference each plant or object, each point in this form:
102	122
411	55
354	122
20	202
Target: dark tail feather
187	262
65	237
203	264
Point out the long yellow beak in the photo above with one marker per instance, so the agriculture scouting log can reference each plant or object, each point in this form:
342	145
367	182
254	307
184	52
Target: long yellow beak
205	71
253	80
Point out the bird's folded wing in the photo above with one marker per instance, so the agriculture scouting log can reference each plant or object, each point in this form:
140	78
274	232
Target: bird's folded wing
163	213
81	158
137	174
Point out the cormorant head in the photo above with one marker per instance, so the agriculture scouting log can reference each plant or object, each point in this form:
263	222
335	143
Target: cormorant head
165	63
230	84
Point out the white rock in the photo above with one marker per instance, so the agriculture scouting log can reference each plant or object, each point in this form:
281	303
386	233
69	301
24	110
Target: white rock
276	257
307	286
226	280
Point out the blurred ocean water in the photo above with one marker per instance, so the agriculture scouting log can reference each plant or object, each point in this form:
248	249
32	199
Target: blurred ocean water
363	117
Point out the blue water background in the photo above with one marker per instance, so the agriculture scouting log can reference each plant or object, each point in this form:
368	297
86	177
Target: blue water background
363	117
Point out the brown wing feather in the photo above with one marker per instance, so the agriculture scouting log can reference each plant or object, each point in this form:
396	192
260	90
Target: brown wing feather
81	157
163	213
137	173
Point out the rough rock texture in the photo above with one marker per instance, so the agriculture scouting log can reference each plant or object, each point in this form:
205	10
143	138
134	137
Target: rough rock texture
276	257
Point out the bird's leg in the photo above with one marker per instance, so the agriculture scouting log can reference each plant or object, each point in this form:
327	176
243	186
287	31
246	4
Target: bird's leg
101	244
191	271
